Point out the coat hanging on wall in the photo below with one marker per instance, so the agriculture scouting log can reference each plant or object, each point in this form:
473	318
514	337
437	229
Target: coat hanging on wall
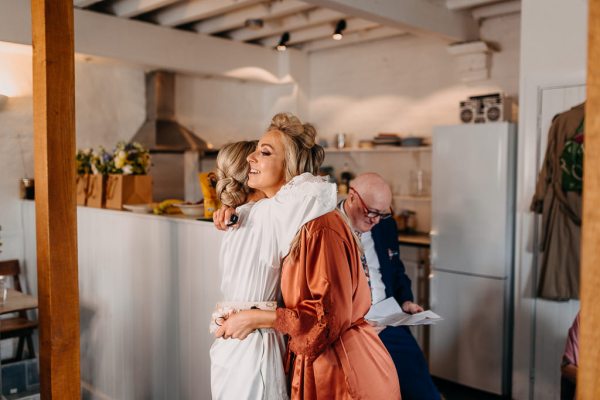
558	198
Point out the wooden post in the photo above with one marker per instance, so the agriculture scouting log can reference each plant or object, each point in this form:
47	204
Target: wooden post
54	146
588	376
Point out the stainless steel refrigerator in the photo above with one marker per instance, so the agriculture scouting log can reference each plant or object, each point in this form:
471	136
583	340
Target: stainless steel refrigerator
472	241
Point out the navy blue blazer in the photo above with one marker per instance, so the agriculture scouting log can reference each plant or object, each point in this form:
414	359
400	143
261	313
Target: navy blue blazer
397	283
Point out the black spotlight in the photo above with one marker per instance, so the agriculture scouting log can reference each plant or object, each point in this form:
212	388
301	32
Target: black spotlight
282	46
339	28
254	23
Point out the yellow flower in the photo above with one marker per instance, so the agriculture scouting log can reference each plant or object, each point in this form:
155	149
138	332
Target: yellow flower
120	159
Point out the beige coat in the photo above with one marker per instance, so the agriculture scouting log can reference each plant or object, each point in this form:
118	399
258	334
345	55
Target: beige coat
561	215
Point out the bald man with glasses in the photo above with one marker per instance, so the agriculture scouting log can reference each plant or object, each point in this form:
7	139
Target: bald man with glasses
368	208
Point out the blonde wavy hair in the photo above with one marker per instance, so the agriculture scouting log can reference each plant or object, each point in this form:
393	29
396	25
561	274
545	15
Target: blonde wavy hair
232	172
302	154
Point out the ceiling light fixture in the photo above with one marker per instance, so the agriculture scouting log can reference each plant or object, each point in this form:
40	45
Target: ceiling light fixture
339	28
282	46
254	23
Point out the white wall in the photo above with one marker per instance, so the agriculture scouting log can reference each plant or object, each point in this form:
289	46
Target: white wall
220	111
16	146
553	53
109	103
403	84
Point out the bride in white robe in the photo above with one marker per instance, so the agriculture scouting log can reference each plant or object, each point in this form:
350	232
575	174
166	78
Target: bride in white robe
250	262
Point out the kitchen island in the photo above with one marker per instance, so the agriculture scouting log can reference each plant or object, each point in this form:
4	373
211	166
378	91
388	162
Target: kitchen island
147	287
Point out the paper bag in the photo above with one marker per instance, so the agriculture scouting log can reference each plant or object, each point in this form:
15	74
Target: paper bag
81	183
128	189
96	193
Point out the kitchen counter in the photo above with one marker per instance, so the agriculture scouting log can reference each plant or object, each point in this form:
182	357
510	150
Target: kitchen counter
419	239
147	287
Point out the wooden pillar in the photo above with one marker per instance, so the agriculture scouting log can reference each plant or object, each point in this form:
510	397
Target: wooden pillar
588	377
54	146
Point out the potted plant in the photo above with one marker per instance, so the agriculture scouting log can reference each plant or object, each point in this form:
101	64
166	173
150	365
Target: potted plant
128	180
101	164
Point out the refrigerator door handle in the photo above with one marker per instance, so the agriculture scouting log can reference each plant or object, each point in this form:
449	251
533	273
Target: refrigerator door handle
433	235
432	294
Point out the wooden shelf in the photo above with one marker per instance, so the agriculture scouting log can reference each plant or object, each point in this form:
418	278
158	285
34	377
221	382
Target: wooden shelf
383	149
413	198
418	239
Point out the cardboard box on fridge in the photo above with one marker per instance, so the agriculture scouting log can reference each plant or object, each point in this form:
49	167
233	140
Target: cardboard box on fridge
128	189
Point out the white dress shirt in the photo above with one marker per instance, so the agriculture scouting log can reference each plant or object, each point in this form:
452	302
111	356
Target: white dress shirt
377	286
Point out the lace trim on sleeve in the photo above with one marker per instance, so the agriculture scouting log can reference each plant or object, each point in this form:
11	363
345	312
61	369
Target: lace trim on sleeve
309	334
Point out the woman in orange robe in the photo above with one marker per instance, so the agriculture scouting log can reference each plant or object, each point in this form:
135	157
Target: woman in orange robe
335	353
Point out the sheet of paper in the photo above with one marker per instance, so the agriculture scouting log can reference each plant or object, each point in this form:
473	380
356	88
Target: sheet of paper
383	309
388	312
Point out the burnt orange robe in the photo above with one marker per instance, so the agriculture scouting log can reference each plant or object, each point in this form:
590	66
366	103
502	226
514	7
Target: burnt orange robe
336	354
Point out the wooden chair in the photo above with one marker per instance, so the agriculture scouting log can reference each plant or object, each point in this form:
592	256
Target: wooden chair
19	326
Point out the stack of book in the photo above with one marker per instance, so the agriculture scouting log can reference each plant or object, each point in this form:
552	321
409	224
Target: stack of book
387	139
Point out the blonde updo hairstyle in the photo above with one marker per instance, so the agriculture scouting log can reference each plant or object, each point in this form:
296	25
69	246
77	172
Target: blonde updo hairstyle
302	154
232	172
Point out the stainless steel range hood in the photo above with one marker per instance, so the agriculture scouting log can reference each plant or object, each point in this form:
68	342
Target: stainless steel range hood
175	150
161	133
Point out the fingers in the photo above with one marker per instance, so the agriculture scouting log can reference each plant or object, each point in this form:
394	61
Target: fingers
220	332
217	218
411	308
222	217
415	308
229	218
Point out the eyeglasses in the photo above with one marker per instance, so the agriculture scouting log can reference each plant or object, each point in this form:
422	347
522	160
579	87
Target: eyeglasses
368	212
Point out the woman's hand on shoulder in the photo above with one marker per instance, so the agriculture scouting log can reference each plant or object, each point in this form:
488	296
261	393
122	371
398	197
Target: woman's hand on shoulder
222	218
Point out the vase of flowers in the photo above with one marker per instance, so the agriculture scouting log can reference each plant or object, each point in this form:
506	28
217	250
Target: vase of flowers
101	163
128	181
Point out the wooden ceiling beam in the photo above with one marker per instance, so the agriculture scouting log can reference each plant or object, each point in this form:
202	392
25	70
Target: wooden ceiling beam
319	32
415	16
467	4
153	46
291	23
237	19
497	10
352	38
196	10
133	8
85	3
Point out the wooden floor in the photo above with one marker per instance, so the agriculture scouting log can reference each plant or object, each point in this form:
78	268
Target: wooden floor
454	391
